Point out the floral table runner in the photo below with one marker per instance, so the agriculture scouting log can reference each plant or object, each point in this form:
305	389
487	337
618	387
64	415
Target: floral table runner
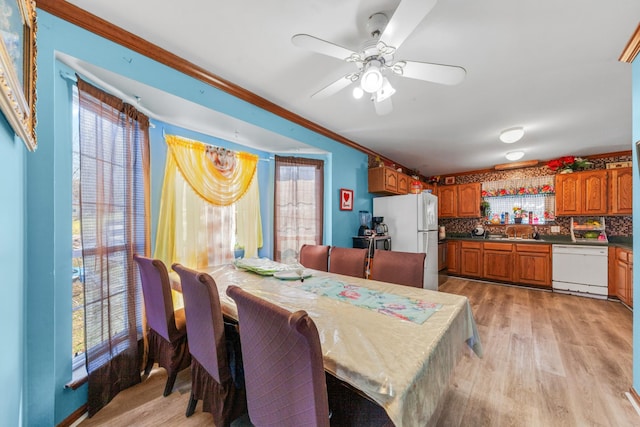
401	307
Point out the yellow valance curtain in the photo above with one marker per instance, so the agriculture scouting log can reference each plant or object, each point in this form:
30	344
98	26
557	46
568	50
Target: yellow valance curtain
210	200
219	176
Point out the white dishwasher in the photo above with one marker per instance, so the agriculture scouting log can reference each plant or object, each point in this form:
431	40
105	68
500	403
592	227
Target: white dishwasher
581	270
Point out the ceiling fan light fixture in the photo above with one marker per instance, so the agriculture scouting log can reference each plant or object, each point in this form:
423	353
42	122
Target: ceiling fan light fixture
514	155
358	92
509	136
385	91
372	78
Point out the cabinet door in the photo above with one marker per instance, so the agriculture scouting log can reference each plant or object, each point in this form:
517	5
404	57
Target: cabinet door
453	257
568	194
498	261
447	201
594	192
620	191
471	259
533	268
390	180
404	181
469	200
621	280
442	255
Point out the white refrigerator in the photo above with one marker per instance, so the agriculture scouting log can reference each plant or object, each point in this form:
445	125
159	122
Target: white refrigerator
412	220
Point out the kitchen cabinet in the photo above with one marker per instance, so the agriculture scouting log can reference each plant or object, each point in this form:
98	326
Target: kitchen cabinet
387	181
459	201
532	264
498	261
581	193
471	258
622	275
442	255
453	256
620	191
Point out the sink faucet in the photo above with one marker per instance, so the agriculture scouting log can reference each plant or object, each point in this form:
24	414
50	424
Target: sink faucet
510	229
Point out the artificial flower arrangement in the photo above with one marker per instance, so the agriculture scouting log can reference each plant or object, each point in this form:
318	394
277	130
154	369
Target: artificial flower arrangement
517	211
568	164
519	191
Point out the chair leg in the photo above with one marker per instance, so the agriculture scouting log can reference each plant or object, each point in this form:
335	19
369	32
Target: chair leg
170	381
147	368
191	407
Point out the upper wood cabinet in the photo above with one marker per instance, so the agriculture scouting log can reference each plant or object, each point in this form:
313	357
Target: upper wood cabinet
620	191
459	201
581	193
386	180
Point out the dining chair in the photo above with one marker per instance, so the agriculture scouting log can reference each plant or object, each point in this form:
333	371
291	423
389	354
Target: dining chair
167	336
315	256
211	348
348	261
402	268
285	378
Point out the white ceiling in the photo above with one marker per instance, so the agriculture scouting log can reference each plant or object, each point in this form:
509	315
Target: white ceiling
549	66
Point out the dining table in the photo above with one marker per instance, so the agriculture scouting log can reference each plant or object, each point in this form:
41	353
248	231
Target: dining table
398	345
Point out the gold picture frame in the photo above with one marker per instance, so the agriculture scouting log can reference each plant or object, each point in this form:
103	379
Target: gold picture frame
18	67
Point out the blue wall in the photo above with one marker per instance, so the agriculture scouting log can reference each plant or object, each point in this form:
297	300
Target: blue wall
636	217
47	223
12	258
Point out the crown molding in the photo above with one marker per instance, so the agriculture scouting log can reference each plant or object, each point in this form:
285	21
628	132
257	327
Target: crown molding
632	48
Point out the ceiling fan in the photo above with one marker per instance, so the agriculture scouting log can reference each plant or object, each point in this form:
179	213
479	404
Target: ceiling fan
376	59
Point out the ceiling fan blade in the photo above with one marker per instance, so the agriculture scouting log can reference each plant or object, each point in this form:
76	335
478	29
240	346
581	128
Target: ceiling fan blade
321	46
436	73
383	107
404	20
335	87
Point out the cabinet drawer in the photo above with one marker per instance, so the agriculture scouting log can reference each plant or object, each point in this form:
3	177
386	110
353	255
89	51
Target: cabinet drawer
470	245
495	246
540	248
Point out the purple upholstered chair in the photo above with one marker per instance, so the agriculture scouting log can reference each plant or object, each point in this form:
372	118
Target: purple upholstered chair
402	268
348	261
211	377
167	328
285	377
315	256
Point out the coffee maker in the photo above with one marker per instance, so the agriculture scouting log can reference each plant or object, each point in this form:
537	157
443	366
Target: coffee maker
379	226
365	219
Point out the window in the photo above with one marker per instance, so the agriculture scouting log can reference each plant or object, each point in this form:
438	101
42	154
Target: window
110	211
299	194
519	198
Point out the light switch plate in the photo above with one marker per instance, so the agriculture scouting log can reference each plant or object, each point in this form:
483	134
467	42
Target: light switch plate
555	228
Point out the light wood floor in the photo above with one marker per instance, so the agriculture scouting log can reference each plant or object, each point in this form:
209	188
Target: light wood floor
549	360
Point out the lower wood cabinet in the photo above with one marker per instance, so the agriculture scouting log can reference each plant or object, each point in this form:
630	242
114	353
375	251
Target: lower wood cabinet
621	274
533	264
471	258
453	256
498	261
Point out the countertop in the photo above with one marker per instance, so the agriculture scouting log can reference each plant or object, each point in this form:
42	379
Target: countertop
619	241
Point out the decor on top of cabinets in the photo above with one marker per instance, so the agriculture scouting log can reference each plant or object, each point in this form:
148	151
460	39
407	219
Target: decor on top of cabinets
346	199
568	164
450	180
18	69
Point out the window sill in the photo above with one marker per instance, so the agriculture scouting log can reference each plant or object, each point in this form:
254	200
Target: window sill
78	378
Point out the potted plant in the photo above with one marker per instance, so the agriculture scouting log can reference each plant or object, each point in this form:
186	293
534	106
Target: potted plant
517	214
568	164
485	209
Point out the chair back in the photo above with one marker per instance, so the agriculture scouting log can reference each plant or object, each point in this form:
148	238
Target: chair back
315	256
156	291
284	373
402	268
205	325
348	261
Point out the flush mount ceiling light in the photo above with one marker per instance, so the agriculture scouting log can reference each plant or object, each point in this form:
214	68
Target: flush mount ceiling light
514	155
509	136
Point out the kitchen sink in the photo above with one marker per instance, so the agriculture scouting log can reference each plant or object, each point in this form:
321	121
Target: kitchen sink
513	239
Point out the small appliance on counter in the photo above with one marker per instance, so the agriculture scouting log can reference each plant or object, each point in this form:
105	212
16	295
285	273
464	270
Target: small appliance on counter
478	232
379	226
365	220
